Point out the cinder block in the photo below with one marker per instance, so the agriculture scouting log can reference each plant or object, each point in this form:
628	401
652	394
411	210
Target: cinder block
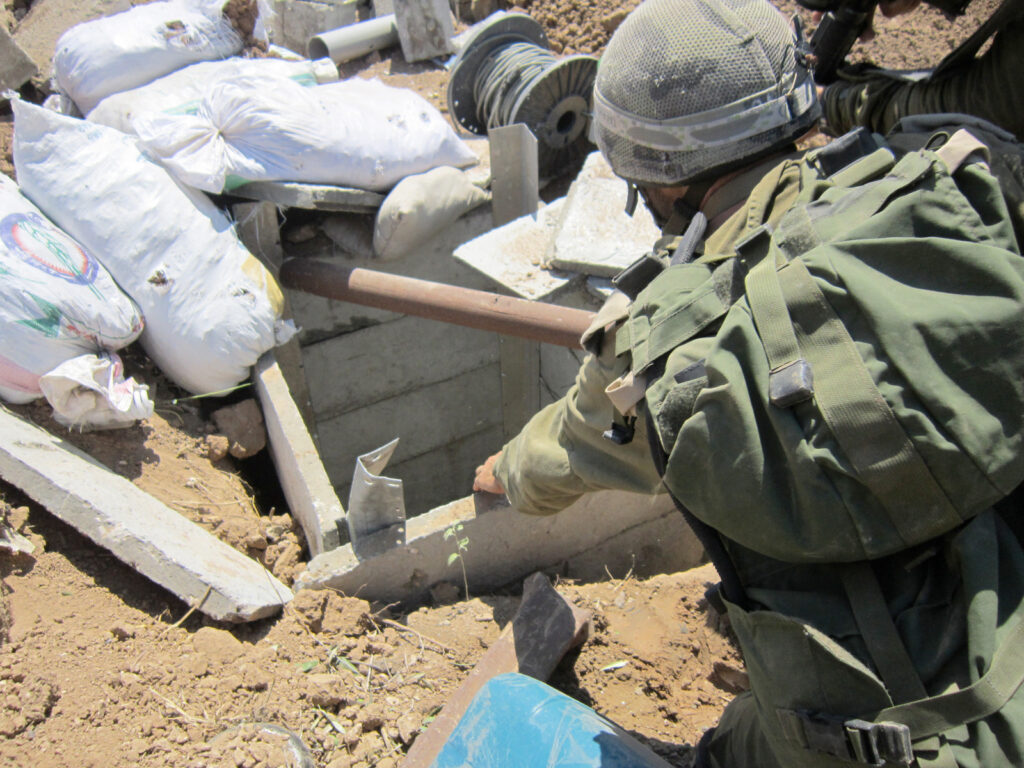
425	419
358	369
295	21
425	28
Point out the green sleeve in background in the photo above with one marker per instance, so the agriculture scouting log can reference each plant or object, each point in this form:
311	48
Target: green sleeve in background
991	86
561	453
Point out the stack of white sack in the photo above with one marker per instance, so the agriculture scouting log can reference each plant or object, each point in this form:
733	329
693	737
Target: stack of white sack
125	50
180	92
211	308
356	133
61	311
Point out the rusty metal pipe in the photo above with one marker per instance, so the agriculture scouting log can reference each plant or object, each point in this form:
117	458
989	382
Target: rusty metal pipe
485	311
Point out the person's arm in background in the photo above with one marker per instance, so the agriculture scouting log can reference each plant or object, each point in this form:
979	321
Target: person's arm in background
561	453
991	86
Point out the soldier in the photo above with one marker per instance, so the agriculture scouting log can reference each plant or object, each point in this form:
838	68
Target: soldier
989	85
834	400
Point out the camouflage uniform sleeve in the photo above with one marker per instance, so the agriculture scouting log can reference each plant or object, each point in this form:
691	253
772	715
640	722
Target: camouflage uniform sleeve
561	454
990	87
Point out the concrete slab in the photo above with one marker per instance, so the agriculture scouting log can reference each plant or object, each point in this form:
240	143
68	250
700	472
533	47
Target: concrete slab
607	530
16	66
596	236
138	529
316	197
425	28
310	495
295	21
513	255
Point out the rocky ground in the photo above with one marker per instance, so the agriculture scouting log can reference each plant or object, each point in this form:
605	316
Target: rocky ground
99	667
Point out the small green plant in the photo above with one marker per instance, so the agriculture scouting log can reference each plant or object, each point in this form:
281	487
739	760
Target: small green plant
454	531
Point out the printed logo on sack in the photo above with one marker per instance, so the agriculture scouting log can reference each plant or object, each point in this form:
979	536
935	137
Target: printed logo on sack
43	246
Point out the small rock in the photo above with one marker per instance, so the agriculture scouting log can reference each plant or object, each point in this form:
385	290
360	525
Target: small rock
729	677
310	604
217	645
300	234
340	762
371	718
242	424
444	593
217	447
408	727
256	541
122	633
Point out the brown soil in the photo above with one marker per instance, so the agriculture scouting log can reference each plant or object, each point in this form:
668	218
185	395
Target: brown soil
100	669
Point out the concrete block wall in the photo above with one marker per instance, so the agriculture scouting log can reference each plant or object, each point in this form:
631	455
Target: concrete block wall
374	375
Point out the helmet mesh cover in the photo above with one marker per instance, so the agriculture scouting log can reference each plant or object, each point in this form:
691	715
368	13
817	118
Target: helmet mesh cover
690	61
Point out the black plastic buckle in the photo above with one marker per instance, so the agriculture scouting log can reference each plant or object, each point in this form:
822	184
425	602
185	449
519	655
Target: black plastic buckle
621	434
879	743
791	384
638	275
852	740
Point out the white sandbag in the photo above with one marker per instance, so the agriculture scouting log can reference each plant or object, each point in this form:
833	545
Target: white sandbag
90	392
211	308
125	50
419	207
357	133
180	91
56	299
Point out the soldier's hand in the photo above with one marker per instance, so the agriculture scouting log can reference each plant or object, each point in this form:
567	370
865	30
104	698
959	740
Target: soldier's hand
485	479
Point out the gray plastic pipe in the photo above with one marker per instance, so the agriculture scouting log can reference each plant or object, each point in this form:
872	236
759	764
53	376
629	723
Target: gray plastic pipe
354	40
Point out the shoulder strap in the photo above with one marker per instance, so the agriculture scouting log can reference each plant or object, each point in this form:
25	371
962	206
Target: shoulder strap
970	47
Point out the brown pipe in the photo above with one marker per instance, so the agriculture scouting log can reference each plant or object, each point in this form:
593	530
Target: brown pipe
534	320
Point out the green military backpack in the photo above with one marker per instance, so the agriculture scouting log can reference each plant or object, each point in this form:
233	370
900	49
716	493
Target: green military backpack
839	401
850	383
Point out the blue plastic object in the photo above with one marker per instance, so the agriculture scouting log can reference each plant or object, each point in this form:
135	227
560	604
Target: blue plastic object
518	722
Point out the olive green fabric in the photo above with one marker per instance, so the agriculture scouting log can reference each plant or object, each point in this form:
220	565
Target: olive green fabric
932	304
990	86
954	602
930	289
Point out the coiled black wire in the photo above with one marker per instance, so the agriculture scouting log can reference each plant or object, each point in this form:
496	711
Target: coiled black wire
503	76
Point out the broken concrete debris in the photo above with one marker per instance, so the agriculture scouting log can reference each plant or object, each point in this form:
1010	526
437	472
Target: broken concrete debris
141	531
16	67
242	424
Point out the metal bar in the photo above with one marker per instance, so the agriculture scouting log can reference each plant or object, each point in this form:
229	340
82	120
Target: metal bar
485	311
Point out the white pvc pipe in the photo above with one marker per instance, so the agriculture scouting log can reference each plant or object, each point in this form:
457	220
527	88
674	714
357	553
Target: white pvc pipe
354	40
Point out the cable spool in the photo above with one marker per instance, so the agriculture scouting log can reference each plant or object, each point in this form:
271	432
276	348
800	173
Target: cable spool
506	74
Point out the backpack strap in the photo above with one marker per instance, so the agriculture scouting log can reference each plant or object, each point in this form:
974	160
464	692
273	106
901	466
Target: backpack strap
857	415
1005	13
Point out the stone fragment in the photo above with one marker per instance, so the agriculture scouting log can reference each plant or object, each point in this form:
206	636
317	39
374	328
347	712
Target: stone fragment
242	424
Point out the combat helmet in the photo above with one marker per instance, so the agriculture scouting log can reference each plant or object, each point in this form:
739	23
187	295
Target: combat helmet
688	89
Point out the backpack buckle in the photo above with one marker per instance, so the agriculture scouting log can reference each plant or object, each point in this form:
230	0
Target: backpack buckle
790	384
853	740
879	743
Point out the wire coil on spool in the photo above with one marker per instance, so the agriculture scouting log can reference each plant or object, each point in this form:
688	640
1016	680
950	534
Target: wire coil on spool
505	74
